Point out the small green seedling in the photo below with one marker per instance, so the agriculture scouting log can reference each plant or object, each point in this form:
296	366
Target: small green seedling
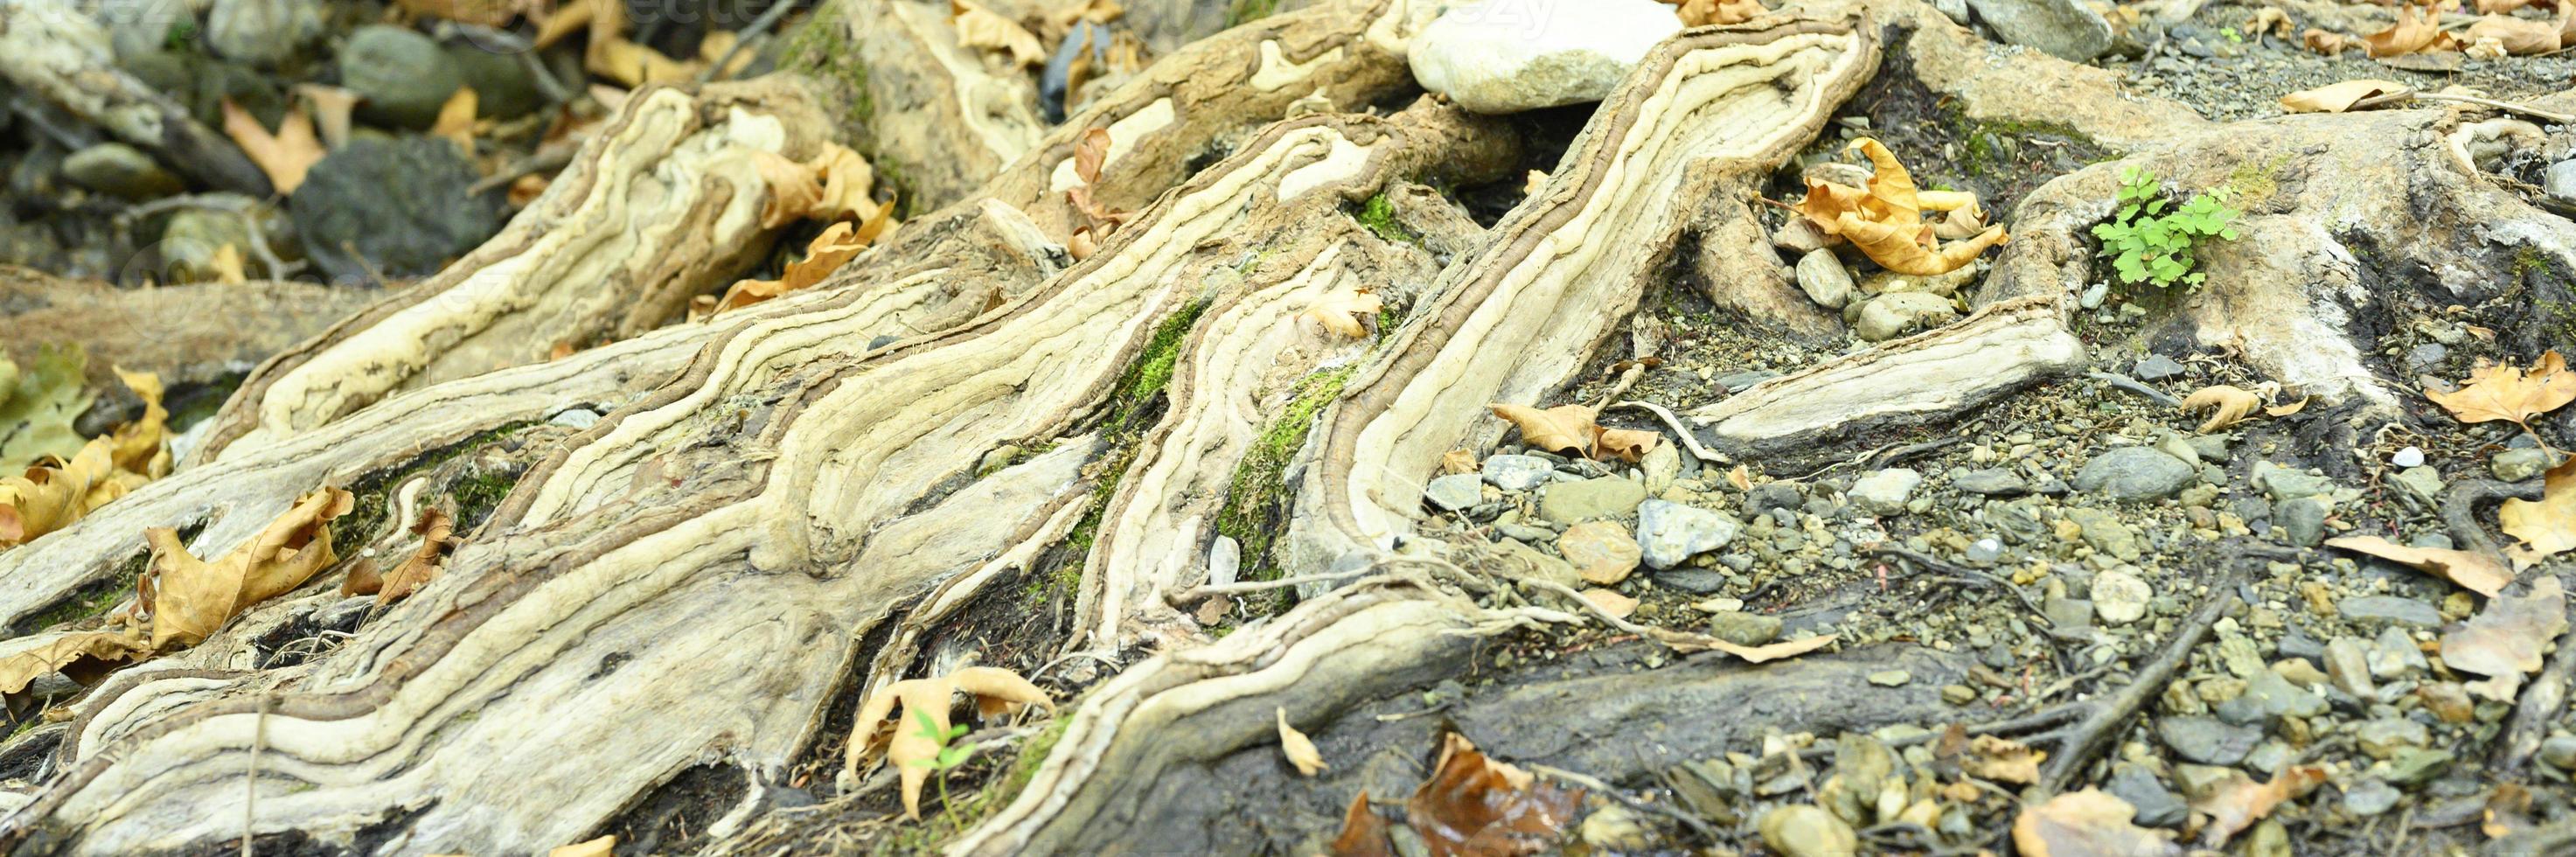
2150	240
951	754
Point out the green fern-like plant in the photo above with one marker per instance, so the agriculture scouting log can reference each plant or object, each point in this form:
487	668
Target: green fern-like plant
2150	240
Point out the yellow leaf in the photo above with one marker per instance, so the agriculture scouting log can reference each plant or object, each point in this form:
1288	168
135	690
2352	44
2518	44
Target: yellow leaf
2227	405
50	496
2337	97
848	185
909	702
25	659
284	156
1341	310
839	243
978	27
1774	651
2002	760
632	64
1630	445
1457	461
2510	394
2547	527
1885	220
456	119
601	847
227	263
2417	31
794	189
193	598
1564	428
437	539
2288	409
1300	751
2476	572
567	19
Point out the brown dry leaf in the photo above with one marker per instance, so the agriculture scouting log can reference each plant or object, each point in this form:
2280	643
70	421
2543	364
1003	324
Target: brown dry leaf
2227	405
2520	37
715	45
612	56
601	847
1089	154
2505	640
1629	445
25	659
2270	21
2288	409
978	27
995	691
192	598
2509	393
456	119
567	19
49	496
1611	602
849	186
1564	428
1885	220
2329	43
1300	751
2337	97
1364	832
286	155
2476	572
1457	461
364	578
838	244
2237	804
2002	760
2089	823
437	540
1740	477
1341	311
2548	527
2496	7
525	190
1473	805
794	189
2417	31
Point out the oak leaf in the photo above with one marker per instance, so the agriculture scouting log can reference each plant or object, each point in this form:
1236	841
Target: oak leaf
1457	461
2514	395
192	598
1341	310
2002	760
2089	823
2518	36
1564	428
1630	445
912	700
2226	405
2475	572
978	27
2417	31
2547	527
1300	751
2238	803
2337	97
455	121
286	155
25	659
54	493
1473	805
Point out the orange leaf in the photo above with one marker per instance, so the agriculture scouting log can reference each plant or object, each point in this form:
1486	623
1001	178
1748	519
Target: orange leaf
2237	804
2417	31
456	119
284	156
2548	527
1473	805
437	539
1364	832
2510	394
1885	220
1630	445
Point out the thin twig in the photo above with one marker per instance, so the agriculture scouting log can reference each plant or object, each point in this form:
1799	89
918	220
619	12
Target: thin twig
2125	382
1688	441
2506	106
1602	788
758	30
250	795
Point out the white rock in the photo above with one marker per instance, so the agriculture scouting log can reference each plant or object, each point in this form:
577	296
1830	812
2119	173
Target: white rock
1506	56
2119	597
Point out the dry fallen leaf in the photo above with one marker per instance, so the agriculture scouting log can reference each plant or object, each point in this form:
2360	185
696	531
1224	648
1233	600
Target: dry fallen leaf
1473	805
2509	393
192	598
2475	572
2089	823
1611	602
1457	461
437	540
1773	651
2417	31
1364	832
1885	220
2329	43
2337	97
2270	21
837	244
911	700
978	27
2548	527
227	263
1699	13
456	119
286	155
25	659
52	494
1342	310
2238	803
2518	36
1740	477
2505	640
2002	760
601	847
1561	429
1629	445
1300	751
489	13
2227	405
612	56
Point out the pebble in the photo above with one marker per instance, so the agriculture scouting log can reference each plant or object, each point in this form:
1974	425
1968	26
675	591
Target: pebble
2067	613
1454	492
1600	550
2284	483
1491	57
2303	520
1822	276
2408	457
1744	629
1890	678
2156	367
1985	551
2559	751
1696	581
2394	655
1958	694
1736	382
1892	315
2427	356
2105	533
2268	695
2207	740
2414	765
1992	482
1225	560
2512	465
400	202
1768	496
2390	608
401	75
2559	181
1804	830
262	32
1517	472
2065	29
120	170
578	418
1885	492
2424	482
2348	665
2382	738
1670	533
2135	473
2157	806
1661	466
2371	796
2120	598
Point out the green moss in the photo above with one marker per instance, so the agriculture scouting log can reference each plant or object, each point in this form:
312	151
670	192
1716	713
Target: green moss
95	598
1248	11
1378	215
1986	147
2251	184
477	493
1141	388
367	515
1256	499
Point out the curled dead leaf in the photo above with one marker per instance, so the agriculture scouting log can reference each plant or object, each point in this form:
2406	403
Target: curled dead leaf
2505	640
978	27
838	243
1457	461
2417	31
455	122
284	156
2547	527
437	540
2337	97
600	847
2509	393
2331	44
887	720
2476	572
2517	36
1561	429
52	494
1473	805
2089	823
2235	805
1343	311
25	659
2226	405
193	598
1364	832
1630	445
1885	220
1294	745
2002	760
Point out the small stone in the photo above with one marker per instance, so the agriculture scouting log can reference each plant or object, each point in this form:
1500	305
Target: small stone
2370	797
1522	561
2408	457
1744	629
1822	276
1661	466
1670	533
2285	484
2427	356
2302	520
2156	367
2559	751
2559	181
1890	678
2423	482
120	170
2207	740
578	418
2415	765
1885	492
401	203
2157	806
1959	694
1992	482
1517	472
1454	492
1225	560
1985	551
1491	57
2515	465
2120	598
2273	695
2135	473
1600	550
2382	738
401	75
1581	500
1736	382
2105	533
2448	700
1892	315
2394	655
2064	29
2348	665
1807	831
2067	614
1773	495
262	32
1696	581
2390	608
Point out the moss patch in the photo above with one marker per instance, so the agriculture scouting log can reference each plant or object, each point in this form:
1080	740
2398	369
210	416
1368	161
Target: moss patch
1247	11
1256	500
1378	216
367	516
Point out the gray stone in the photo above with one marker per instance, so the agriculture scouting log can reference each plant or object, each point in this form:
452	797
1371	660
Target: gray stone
2512	465
2120	598
2303	520
1696	581
2157	806
263	33
2067	614
2348	664
2206	740
2394	655
1822	276
2284	483
2390	608
402	203
1992	482
1583	500
1225	560
2273	696
1455	491
195	236
2559	751
120	170
1773	495
1517	472
402	75
2135	473
1507	56
2382	738
1671	533
1885	492
504	88
2065	29
1805	830
1892	315
2105	533
582	418
1661	466
1986	551
2427	356
2414	765
2156	367
2370	797
1744	629
2560	180
1520	560
1734	382
2423	482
